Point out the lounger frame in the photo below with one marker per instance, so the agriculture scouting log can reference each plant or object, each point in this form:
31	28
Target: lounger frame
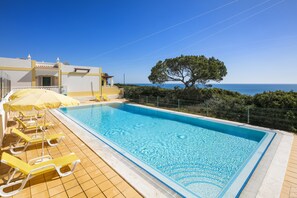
13	171
13	148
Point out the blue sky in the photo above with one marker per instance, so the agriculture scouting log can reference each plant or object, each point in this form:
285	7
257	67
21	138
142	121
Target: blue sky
257	40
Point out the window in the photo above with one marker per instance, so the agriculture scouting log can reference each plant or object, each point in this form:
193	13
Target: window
46	81
81	70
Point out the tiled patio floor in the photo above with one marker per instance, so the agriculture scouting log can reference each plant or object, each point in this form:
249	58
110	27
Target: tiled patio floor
290	183
92	177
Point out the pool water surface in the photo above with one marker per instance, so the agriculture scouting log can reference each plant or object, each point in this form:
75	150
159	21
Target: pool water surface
201	156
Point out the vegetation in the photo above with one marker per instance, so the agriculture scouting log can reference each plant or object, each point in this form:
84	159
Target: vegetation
190	70
278	99
269	109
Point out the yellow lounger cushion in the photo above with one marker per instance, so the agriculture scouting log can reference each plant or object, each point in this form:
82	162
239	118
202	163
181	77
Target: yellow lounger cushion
24	125
15	162
32	169
36	140
25	168
24	115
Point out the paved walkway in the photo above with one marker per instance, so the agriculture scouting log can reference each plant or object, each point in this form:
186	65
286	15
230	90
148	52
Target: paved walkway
290	183
92	177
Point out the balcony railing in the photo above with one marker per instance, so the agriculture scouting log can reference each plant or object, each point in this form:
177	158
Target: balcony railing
5	84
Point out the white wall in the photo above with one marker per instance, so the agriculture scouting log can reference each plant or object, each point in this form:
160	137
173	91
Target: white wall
3	117
80	82
14	62
75	82
70	68
18	78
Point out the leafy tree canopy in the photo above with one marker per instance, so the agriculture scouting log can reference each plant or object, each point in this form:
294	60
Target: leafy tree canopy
189	70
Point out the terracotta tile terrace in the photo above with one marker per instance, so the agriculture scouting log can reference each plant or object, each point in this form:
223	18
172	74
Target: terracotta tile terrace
92	177
290	184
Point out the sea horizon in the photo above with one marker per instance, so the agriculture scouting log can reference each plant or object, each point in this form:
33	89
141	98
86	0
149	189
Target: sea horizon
243	88
220	83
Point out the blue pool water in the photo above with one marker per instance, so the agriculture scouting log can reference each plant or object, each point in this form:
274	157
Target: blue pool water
202	157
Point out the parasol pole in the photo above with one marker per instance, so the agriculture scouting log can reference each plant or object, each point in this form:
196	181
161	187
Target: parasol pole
43	131
36	122
42	152
33	120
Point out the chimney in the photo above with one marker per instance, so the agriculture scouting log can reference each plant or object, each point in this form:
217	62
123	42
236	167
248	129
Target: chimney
29	57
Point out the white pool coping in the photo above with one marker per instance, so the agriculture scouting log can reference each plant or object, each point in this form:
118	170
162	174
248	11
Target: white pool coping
266	182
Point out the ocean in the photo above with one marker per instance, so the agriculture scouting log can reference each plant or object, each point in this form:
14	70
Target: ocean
247	89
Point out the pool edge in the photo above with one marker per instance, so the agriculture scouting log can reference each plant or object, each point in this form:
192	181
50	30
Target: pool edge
207	118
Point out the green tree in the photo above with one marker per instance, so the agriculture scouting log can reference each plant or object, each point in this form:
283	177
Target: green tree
189	70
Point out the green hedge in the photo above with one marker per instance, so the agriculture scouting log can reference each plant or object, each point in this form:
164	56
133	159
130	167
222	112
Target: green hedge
270	109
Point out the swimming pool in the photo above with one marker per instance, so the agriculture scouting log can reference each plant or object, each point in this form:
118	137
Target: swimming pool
194	156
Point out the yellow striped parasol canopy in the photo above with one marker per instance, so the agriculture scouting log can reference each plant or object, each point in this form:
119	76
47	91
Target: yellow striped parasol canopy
38	99
23	92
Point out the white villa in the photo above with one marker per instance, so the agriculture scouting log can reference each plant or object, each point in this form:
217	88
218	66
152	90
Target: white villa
82	82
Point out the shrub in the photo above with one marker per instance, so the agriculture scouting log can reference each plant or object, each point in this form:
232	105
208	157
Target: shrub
269	109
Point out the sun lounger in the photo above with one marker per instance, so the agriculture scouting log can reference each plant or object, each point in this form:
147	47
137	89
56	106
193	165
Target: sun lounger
102	98
30	169
28	127
24	116
27	140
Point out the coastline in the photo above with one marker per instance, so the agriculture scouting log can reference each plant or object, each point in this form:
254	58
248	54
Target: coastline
247	89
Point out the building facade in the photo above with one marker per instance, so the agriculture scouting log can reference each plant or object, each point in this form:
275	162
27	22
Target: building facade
83	82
